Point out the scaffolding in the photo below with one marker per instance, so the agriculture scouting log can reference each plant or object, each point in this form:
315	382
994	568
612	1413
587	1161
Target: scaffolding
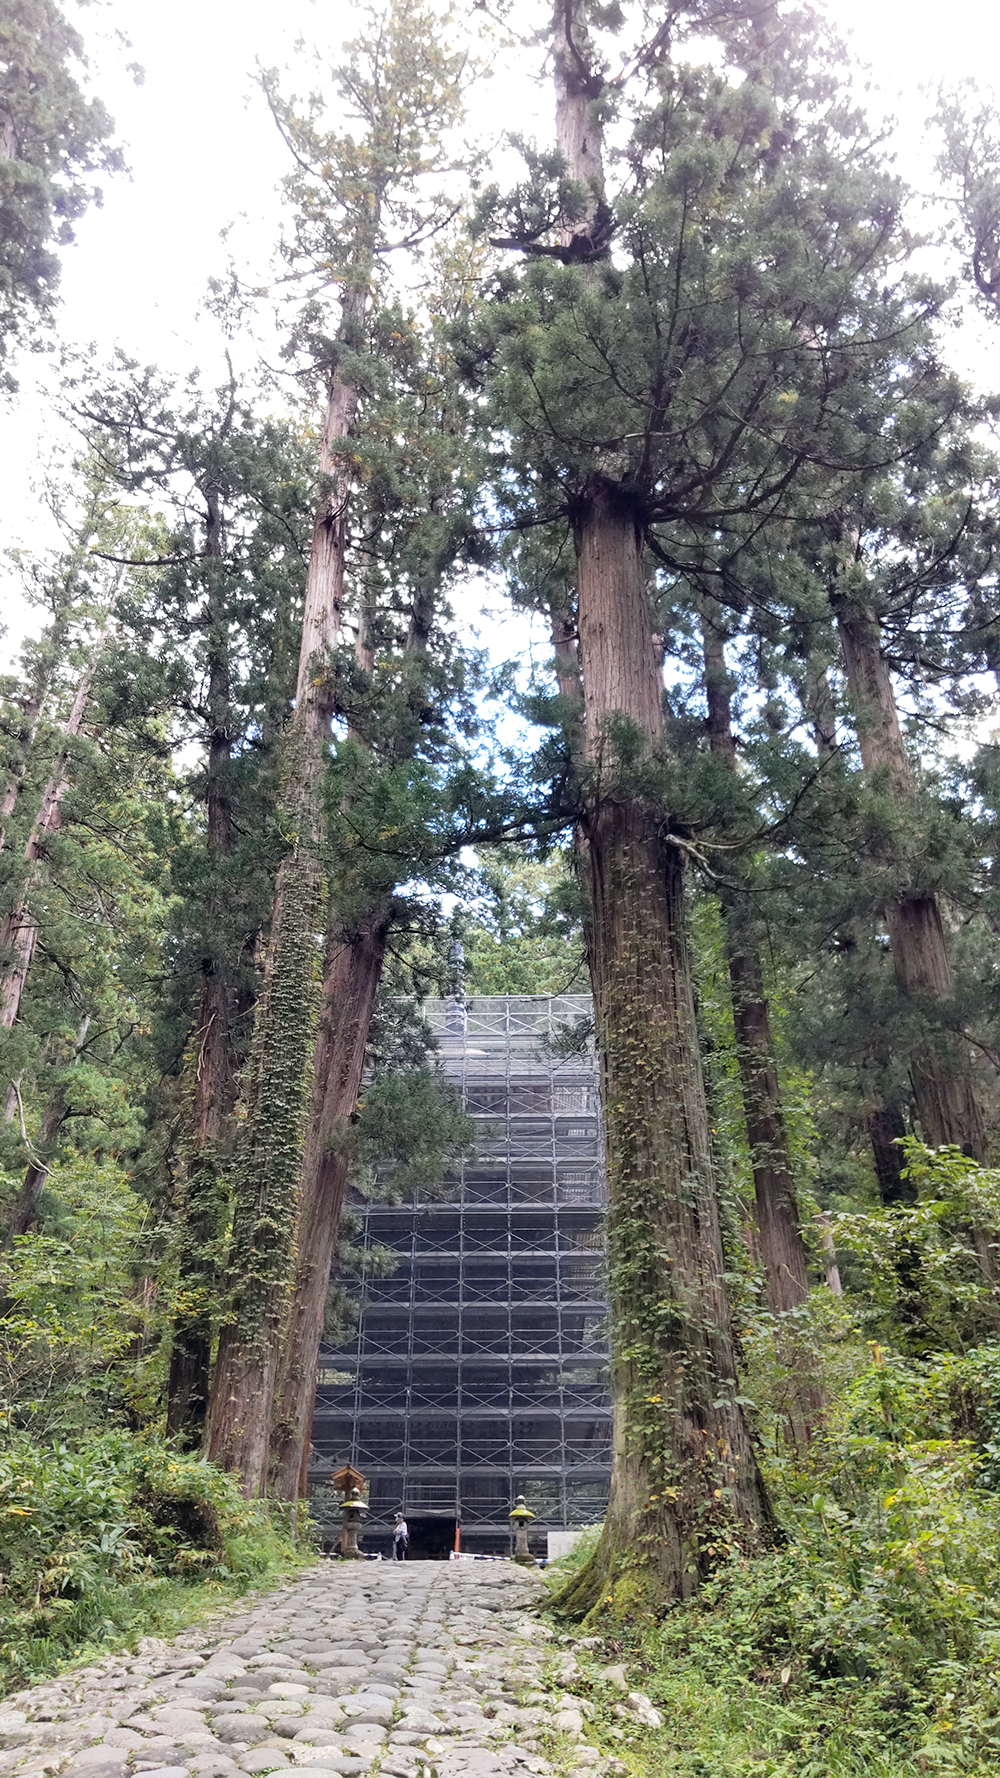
479	1369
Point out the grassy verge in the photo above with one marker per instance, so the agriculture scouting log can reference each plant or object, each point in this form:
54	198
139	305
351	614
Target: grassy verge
119	1537
734	1707
41	1644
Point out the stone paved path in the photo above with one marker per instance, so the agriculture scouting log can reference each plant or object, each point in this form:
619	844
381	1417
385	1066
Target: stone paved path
416	1670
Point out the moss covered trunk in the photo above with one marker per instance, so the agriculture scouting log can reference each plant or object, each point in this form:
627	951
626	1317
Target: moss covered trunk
203	1210
685	1486
355	957
265	1180
269	1154
781	1245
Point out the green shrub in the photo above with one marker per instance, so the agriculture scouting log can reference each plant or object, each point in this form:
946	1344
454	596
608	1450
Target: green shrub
95	1537
870	1642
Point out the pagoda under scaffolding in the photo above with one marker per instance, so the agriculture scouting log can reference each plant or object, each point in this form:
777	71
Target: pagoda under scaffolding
479	1368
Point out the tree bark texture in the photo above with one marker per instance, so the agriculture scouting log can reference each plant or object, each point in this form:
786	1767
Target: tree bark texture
685	1482
579	130
266	1175
351	979
943	1089
202	1214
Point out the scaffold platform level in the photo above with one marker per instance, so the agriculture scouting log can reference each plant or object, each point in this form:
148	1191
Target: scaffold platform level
479	1367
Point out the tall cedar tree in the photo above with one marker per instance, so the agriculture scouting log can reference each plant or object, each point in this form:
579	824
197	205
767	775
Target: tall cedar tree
401	88
414	519
719	357
206	628
685	1479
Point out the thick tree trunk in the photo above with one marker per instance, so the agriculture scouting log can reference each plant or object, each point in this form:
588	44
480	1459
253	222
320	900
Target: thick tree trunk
943	1089
579	126
354	958
265	1184
782	1248
683	1467
19	930
352	976
25	1211
203	1211
684	1478
266	1175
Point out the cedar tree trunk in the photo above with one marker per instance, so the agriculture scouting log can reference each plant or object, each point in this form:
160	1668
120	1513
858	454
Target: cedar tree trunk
354	970
781	1245
25	1209
355	954
266	1175
685	1483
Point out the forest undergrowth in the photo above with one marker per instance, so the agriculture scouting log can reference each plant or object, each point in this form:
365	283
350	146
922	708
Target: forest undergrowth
114	1536
868	1641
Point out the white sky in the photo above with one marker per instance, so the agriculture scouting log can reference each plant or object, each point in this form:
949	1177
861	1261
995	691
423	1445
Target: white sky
203	155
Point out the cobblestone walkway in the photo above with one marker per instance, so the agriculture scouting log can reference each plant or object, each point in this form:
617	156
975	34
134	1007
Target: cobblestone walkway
422	1670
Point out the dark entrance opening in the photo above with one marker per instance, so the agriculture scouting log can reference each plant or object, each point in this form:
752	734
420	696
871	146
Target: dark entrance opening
432	1539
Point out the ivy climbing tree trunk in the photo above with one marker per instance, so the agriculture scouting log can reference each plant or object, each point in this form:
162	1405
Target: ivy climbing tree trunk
943	1088
401	93
684	1473
684	1479
266	1174
355	956
781	1244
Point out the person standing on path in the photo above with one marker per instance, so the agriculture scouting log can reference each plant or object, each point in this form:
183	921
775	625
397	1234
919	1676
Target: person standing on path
400	1539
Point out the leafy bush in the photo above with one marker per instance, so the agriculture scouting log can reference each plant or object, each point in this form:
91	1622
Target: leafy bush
871	1640
92	1535
71	1311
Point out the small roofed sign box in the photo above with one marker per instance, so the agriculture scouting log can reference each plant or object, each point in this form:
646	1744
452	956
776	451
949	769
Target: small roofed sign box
348	1480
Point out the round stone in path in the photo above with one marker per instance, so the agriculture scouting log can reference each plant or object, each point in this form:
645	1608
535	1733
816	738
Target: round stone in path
245	1727
345	1765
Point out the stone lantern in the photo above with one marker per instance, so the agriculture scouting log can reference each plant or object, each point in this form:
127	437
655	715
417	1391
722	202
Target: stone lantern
520	1517
352	1516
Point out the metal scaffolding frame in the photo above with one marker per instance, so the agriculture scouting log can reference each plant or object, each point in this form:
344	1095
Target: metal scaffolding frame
479	1368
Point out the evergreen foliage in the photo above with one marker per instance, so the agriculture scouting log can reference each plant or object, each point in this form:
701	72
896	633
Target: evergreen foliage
53	139
260	793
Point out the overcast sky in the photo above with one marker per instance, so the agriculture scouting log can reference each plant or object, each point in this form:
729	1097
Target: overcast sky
204	156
